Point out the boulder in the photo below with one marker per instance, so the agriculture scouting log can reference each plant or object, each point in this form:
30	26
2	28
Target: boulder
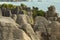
40	22
40	27
55	30
58	19
52	18
22	19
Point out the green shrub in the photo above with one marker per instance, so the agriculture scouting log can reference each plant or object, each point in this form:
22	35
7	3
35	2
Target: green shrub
38	13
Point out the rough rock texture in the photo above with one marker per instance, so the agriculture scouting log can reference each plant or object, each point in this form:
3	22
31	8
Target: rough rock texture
40	22
58	19
0	12
55	30
22	20
6	12
52	18
40	27
30	20
51	14
9	30
14	17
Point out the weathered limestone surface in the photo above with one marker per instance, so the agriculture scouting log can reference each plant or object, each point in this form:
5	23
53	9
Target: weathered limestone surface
6	12
55	30
40	27
15	25
9	30
14	17
51	14
22	20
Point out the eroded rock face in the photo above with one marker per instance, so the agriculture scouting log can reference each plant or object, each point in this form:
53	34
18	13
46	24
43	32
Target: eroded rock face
40	27
22	20
9	30
40	22
6	12
51	14
30	20
14	17
55	30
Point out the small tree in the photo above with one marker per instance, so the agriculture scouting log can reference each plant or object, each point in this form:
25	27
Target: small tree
38	13
23	5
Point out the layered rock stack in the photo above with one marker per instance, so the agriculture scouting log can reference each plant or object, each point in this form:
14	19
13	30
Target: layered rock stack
55	30
6	12
15	25
51	14
40	28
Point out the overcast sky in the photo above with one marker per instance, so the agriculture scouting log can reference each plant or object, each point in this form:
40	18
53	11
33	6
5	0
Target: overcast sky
46	0
41	0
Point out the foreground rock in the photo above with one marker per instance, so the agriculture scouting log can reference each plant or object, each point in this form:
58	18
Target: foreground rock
40	22
22	20
55	30
9	30
6	12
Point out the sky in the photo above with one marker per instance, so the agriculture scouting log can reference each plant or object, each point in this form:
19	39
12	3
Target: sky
40	5
46	0
40	0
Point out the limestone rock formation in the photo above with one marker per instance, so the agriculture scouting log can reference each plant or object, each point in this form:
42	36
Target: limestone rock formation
40	27
22	20
51	14
9	30
55	30
0	12
6	12
14	17
29	17
40	22
18	24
